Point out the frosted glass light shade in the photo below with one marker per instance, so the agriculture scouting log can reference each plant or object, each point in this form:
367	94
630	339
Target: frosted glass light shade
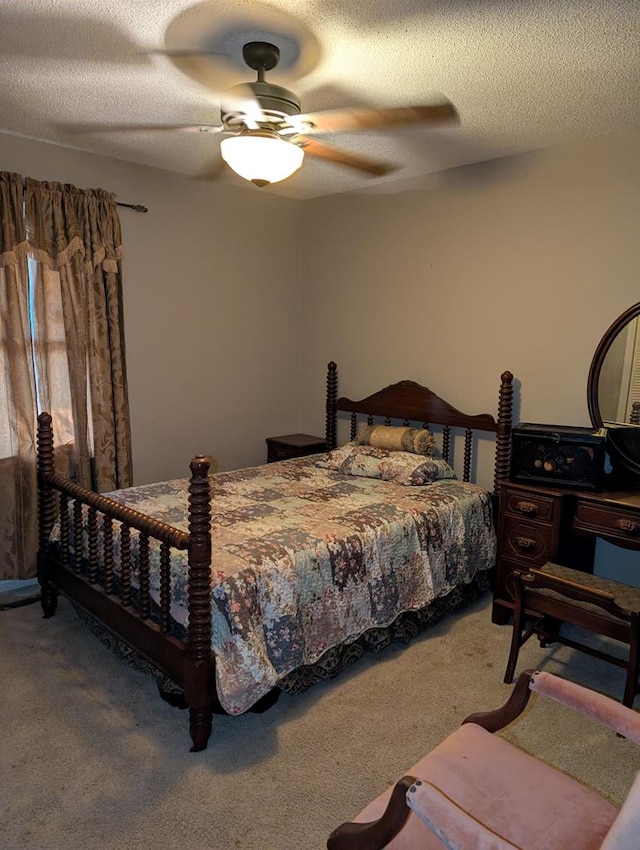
261	159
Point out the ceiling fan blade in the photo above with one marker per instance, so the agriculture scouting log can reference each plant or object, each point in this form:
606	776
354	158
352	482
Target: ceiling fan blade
342	157
150	128
185	52
211	68
365	118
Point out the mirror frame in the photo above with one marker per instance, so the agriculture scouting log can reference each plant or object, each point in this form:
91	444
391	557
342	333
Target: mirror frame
622	456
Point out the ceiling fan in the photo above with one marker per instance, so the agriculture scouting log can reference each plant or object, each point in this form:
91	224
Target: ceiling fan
268	135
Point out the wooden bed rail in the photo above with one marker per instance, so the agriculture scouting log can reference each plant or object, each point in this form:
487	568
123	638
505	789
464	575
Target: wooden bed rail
189	664
116	510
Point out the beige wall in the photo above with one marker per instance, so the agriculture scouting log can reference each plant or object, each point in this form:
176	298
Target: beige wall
520	267
212	307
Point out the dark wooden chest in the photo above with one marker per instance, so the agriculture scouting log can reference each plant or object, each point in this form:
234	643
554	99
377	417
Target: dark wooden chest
563	455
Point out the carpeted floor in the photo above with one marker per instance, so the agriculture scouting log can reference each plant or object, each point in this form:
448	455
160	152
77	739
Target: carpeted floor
92	758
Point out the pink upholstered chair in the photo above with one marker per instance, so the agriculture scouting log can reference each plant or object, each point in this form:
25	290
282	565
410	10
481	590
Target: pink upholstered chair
476	791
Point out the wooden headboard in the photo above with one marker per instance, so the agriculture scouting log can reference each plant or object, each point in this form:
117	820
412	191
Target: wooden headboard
412	403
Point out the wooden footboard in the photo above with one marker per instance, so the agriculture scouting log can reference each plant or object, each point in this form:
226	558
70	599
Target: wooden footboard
102	584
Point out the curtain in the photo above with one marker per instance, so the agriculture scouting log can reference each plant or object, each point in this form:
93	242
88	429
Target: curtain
17	421
62	343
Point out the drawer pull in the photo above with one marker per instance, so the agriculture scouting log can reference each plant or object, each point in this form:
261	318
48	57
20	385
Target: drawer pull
525	543
529	508
628	525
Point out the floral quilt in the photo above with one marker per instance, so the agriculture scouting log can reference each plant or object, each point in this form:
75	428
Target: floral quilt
306	558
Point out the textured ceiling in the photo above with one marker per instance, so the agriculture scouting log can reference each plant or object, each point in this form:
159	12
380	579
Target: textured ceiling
522	75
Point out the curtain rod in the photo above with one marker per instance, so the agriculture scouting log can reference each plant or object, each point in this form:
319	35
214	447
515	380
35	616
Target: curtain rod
134	207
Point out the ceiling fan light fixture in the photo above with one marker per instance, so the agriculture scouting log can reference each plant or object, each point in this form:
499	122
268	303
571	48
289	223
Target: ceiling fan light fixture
261	157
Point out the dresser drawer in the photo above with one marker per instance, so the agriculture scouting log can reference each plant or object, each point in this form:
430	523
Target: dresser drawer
289	446
275	452
279	453
505	582
607	521
531	542
530	505
530	524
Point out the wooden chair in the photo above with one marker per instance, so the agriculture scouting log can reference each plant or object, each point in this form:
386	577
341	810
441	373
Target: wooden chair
552	595
476	791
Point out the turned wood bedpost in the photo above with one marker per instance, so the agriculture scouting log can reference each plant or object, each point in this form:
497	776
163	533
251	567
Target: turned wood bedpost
503	435
198	678
46	512
331	428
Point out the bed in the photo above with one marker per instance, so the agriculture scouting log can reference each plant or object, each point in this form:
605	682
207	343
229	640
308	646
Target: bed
237	585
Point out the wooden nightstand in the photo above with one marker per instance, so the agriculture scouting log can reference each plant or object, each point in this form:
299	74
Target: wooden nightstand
293	445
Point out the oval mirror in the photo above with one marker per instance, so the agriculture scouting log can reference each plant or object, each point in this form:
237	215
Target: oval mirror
613	388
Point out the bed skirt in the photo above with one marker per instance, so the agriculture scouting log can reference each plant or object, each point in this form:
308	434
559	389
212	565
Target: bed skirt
405	627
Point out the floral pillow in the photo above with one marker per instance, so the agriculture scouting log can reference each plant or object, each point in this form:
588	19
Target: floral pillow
401	467
403	439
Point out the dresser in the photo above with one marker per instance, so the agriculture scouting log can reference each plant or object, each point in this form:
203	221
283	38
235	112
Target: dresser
537	524
544	522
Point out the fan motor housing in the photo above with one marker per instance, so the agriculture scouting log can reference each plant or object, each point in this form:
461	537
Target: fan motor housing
272	100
